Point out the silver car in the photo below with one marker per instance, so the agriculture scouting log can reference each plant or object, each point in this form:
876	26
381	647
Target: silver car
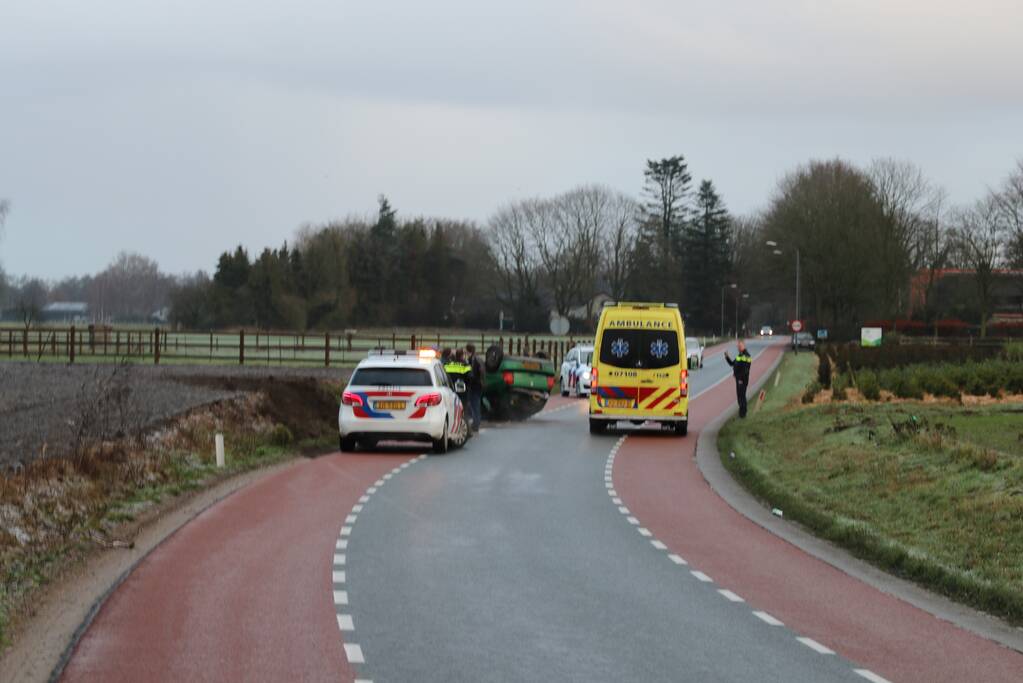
576	371
694	350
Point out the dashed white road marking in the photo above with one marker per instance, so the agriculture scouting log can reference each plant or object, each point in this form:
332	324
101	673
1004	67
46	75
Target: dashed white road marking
345	622
658	544
622	509
677	559
633	521
354	654
701	576
815	646
767	618
616	501
870	676
644	532
729	595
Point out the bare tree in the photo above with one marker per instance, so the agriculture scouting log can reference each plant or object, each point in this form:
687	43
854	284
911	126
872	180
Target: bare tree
619	237
1009	199
981	238
908	199
515	261
935	250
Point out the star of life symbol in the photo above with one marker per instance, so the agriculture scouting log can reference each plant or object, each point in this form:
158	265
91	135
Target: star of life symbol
620	348
659	348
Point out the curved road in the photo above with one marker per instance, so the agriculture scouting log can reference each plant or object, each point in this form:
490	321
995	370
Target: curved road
538	552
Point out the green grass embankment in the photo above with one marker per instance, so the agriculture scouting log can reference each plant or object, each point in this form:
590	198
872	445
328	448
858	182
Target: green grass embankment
932	492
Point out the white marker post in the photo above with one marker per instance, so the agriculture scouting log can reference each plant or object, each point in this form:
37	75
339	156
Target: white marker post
220	449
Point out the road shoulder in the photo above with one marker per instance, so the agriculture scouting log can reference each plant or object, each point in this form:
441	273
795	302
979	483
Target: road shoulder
721	481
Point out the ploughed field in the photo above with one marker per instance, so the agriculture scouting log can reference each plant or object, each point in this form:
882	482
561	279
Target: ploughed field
46	409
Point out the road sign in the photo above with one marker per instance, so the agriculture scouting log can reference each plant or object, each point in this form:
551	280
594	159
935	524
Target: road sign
559	325
797	325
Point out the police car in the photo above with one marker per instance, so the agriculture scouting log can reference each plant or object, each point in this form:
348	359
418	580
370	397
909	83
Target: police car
401	396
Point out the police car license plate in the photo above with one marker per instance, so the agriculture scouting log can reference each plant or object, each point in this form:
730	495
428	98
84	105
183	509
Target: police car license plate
618	403
389	405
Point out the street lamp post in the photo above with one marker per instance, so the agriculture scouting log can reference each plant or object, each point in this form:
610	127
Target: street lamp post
738	300
732	286
779	252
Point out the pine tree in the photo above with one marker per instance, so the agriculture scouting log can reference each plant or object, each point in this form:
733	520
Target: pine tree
664	214
706	255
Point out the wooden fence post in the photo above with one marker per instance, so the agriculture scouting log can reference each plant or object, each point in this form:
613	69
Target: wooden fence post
241	347
71	344
326	349
156	346
412	342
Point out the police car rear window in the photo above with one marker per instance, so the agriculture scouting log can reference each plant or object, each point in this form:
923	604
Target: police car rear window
391	377
646	349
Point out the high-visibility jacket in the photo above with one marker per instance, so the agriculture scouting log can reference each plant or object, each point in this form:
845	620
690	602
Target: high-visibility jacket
455	368
741	366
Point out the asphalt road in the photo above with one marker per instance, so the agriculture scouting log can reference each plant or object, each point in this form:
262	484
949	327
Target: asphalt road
509	562
539	552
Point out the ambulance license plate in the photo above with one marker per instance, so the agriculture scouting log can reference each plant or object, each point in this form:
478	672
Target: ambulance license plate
389	405
618	403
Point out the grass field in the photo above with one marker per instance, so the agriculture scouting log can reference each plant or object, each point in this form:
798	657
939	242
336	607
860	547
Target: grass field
930	491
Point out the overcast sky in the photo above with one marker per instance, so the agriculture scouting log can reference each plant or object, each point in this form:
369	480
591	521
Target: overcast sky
181	128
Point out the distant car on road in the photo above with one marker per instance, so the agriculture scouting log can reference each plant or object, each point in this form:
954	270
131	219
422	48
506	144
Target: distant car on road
766	331
401	396
576	370
803	340
695	350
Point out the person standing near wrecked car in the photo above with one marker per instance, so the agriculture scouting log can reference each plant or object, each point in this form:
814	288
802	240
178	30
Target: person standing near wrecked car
458	370
476	378
740	369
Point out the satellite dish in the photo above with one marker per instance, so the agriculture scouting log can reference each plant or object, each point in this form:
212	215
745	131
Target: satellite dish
559	325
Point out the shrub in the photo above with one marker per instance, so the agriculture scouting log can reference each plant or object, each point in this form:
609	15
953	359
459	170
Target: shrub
811	392
823	370
839	387
868	385
280	435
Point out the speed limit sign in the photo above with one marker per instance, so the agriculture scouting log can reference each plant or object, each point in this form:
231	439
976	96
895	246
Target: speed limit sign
797	326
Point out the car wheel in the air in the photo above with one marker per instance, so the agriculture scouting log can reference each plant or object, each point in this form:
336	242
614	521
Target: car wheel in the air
493	358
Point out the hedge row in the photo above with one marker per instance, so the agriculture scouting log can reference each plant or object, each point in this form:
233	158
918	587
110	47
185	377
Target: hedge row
855	357
986	378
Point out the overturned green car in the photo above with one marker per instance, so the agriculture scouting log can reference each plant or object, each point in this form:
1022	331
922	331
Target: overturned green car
516	387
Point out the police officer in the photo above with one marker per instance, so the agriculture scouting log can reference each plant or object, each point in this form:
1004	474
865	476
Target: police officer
740	369
476	379
458	369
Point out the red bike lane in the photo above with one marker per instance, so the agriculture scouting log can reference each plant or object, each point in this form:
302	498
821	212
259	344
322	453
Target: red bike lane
240	593
658	480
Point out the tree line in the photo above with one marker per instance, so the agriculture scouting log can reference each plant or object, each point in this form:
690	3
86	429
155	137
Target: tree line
863	234
534	258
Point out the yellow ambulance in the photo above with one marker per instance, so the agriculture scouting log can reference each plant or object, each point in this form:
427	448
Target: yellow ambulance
639	367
